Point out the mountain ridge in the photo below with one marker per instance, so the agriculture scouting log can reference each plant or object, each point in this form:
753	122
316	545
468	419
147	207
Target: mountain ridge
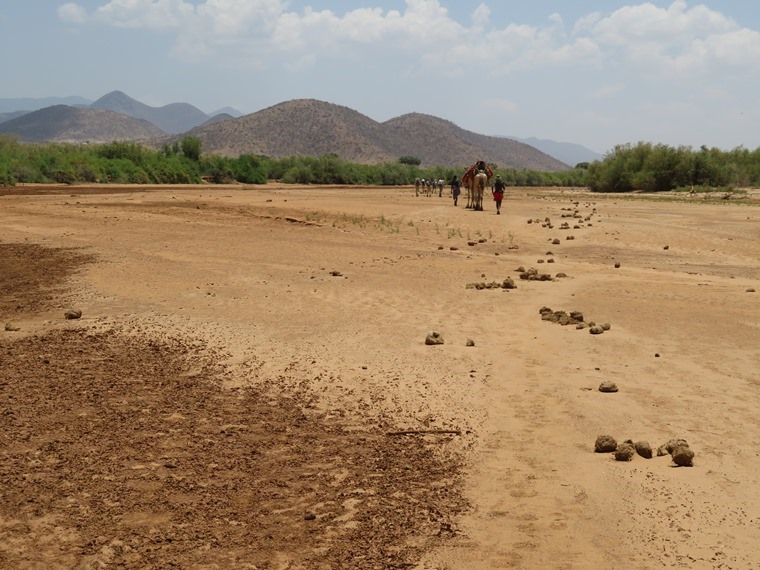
299	126
313	128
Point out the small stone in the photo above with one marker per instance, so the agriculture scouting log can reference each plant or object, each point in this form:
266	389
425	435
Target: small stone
309	517
508	283
73	314
453	248
608	386
433	338
624	452
470	342
606	326
605	444
657	355
336	274
561	275
556	241
10	327
683	456
666	247
596	329
472	243
617	264
750	290
644	449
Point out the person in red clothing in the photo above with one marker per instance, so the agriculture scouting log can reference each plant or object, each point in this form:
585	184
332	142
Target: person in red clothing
498	193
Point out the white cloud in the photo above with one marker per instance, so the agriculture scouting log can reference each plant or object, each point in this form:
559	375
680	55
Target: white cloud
674	39
481	16
150	14
73	13
255	33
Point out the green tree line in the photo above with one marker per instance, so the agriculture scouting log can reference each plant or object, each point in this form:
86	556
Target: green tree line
658	167
184	163
628	167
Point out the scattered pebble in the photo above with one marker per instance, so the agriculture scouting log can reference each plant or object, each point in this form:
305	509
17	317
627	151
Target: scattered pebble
73	314
608	386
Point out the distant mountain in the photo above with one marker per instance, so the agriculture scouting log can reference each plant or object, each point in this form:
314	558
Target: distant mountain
173	118
299	127
314	128
62	123
569	153
8	116
219	118
34	104
234	113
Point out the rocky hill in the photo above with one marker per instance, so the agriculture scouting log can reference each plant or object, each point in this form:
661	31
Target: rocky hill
313	128
61	123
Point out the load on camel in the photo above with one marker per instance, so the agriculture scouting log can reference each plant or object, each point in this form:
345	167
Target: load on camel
475	180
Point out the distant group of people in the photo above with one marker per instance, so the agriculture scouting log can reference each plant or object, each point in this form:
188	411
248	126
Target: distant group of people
428	186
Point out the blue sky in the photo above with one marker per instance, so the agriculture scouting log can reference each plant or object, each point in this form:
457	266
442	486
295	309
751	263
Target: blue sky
597	73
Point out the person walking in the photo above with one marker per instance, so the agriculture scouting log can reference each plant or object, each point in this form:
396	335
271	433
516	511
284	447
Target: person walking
455	189
498	193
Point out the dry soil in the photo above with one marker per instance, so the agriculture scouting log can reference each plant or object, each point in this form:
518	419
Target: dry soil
249	385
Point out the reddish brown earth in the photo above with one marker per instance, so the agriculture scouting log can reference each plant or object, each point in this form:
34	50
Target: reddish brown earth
248	386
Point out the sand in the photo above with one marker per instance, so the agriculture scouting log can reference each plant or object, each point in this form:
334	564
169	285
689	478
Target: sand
320	299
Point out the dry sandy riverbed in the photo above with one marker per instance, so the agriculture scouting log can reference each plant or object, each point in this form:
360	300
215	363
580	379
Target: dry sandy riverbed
249	386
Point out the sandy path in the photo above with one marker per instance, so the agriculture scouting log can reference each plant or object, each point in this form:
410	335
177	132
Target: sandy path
250	271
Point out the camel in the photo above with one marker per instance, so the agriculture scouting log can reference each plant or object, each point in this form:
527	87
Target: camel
479	184
475	180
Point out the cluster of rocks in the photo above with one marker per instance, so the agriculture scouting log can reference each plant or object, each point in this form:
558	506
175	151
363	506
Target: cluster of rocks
572	318
532	274
434	338
545	223
573	213
678	449
508	283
